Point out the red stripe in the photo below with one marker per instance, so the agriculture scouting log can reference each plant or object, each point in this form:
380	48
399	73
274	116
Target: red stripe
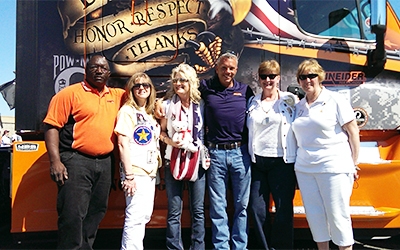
182	163
264	19
191	166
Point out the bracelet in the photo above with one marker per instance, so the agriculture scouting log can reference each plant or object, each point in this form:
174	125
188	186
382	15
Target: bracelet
357	168
129	174
129	179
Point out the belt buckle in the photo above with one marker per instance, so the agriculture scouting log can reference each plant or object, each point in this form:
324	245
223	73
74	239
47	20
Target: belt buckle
225	146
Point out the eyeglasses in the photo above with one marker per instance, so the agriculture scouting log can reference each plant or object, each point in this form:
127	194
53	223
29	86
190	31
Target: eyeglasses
175	80
138	85
270	76
309	76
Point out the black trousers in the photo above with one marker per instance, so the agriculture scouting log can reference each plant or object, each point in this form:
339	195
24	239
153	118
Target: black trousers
272	176
82	200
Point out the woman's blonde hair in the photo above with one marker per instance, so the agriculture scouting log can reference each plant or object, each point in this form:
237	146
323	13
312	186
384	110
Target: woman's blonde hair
130	97
189	73
311	65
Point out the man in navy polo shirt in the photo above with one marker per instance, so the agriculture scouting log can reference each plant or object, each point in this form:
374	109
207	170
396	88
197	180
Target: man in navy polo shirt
225	113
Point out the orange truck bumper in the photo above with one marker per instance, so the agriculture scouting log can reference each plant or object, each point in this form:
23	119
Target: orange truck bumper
375	200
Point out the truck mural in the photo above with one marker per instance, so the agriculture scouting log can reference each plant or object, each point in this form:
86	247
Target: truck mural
356	41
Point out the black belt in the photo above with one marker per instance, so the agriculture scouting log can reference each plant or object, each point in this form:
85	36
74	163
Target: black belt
94	156
225	146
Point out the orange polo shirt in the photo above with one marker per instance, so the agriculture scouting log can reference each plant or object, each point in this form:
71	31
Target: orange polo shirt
85	117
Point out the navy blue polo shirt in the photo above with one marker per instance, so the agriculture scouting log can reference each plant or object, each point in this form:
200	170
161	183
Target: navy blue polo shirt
225	110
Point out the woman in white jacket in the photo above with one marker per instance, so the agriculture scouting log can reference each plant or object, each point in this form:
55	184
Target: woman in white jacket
273	150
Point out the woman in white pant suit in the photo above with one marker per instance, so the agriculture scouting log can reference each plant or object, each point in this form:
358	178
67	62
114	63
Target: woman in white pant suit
328	143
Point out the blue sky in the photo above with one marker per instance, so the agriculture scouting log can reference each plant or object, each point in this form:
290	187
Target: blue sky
7	48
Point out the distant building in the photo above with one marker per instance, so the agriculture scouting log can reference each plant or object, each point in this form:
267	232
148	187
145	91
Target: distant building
8	122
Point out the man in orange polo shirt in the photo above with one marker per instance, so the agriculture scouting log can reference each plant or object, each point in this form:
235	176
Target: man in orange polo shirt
80	139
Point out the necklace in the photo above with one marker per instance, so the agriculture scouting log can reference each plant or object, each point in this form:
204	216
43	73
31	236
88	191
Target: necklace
185	102
267	105
185	113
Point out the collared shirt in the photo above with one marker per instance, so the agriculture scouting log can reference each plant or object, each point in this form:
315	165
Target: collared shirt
323	144
85	117
225	110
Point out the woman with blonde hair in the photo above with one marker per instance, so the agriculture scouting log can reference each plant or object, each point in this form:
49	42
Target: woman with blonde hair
138	141
326	163
182	105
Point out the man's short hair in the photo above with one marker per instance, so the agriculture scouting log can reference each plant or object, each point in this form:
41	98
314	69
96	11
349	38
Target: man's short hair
229	54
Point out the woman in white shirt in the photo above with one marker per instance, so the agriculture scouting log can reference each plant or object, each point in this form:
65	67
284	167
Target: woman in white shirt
273	150
138	142
328	143
6	140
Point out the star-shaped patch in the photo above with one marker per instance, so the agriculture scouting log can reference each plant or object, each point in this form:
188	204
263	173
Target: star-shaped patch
142	135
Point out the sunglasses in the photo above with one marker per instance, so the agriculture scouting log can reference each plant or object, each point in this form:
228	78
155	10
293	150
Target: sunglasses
231	52
270	76
179	80
138	85
309	76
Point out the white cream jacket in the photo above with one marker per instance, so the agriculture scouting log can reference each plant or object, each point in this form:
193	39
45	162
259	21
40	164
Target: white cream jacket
286	104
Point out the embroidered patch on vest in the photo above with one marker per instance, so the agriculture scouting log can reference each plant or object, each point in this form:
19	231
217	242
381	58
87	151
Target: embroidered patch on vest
142	135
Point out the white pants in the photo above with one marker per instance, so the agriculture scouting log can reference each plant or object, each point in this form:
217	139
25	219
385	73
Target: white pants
139	209
326	199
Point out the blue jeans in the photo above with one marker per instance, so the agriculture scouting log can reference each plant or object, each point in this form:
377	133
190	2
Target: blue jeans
271	175
196	204
235	165
82	200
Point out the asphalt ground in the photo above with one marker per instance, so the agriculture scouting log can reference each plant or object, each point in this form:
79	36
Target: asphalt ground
155	239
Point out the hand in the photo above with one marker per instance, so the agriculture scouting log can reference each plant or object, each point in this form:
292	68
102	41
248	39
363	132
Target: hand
356	175
58	172
176	144
208	163
158	109
129	187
